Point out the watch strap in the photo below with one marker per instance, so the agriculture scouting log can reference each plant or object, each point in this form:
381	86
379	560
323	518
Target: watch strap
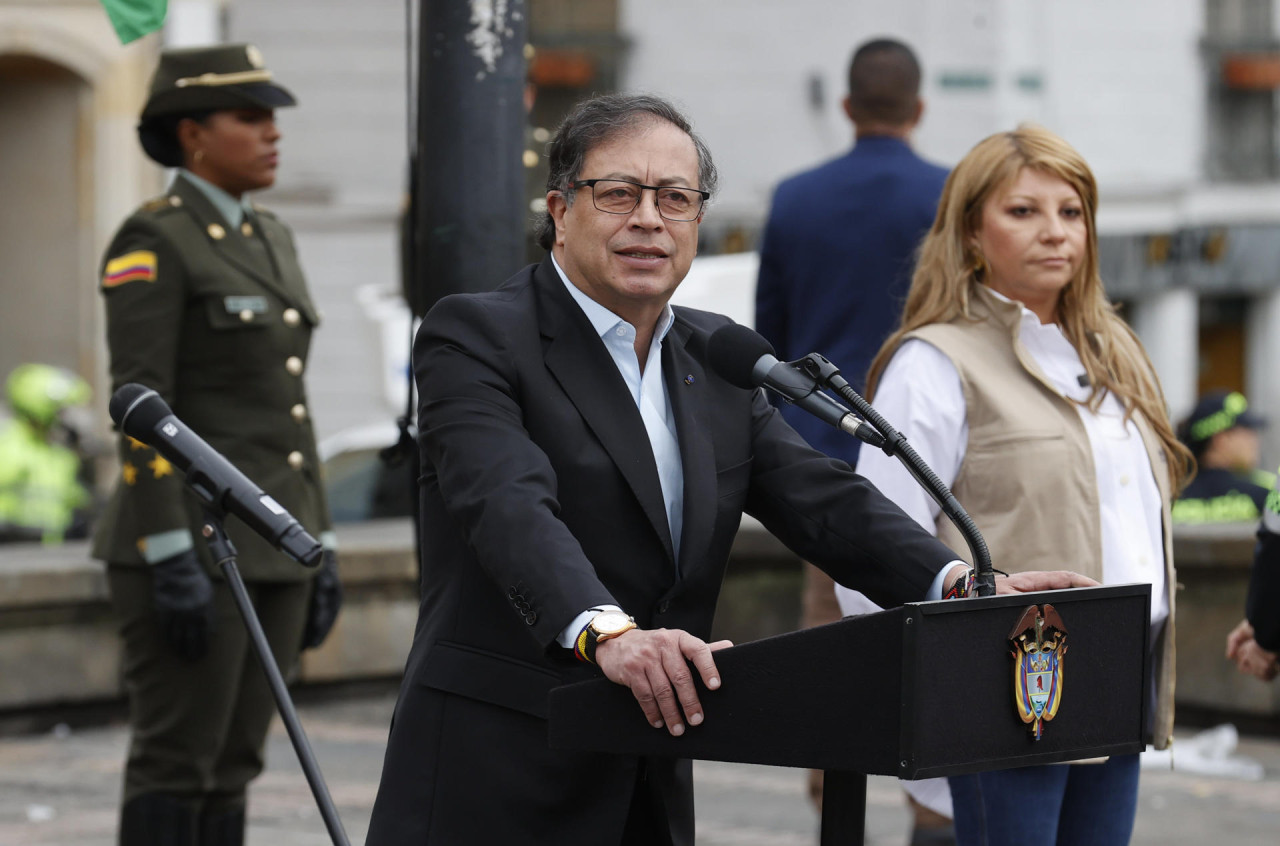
584	646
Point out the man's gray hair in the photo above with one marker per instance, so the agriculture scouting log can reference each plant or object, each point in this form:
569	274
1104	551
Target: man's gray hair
599	120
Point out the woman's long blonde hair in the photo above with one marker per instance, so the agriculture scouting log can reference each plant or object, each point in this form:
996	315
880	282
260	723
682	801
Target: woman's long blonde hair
950	266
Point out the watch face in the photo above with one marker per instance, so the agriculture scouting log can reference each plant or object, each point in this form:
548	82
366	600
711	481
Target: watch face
610	622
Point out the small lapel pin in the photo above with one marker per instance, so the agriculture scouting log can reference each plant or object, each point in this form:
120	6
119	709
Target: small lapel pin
688	380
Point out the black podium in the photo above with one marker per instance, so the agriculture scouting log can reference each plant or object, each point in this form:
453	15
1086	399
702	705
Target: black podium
927	689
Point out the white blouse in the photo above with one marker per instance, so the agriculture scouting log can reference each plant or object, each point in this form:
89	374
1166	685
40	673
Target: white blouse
920	394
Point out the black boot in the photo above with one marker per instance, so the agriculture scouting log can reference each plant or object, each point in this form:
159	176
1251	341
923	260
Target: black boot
222	826
157	819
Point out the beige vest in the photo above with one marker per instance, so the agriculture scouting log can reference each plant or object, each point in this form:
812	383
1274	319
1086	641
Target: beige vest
1028	478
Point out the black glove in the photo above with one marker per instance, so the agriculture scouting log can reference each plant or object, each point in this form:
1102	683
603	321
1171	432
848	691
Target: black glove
326	600
183	595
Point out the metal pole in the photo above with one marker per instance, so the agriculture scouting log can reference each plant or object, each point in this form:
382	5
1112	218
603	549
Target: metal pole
844	808
469	184
225	556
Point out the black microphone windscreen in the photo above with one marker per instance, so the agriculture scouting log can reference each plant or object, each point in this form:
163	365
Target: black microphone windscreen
137	409
732	352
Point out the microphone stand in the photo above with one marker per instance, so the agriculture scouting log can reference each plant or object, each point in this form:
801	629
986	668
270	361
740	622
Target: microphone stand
224	554
821	369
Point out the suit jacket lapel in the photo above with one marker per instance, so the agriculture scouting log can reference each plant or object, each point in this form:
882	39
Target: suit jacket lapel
230	248
686	386
577	358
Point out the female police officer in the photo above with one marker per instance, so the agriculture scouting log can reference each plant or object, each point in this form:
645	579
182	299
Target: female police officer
206	304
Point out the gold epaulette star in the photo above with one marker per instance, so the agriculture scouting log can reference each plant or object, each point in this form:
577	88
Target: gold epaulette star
135	444
160	467
129	473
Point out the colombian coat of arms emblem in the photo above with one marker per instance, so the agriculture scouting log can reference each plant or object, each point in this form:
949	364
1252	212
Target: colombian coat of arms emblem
1039	644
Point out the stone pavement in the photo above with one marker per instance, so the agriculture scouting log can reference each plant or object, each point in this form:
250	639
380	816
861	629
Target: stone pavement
59	788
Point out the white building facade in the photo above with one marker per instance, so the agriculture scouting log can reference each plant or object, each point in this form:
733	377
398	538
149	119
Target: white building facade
1171	101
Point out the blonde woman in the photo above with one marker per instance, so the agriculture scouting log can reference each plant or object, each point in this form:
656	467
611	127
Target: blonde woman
1014	378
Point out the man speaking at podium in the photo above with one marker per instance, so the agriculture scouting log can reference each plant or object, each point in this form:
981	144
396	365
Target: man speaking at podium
584	474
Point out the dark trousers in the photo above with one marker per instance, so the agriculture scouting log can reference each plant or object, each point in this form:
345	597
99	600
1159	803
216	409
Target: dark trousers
647	823
198	728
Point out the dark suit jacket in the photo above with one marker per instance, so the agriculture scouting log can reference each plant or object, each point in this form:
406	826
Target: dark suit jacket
212	331
540	499
836	262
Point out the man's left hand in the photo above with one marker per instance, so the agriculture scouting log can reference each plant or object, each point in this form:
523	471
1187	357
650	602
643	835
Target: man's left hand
1035	580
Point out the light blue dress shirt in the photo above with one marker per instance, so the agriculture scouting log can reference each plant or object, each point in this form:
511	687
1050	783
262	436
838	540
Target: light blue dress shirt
649	390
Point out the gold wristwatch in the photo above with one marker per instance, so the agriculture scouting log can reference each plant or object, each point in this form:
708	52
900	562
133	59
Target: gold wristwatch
603	626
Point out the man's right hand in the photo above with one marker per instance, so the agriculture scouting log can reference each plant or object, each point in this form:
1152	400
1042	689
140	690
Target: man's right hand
654	663
183	596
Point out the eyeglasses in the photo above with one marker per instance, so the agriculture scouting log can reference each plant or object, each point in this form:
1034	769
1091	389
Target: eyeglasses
617	196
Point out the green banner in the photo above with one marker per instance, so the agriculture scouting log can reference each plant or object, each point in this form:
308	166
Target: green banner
133	19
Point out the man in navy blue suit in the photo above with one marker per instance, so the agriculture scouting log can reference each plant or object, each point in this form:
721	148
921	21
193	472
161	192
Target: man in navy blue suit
839	247
835	266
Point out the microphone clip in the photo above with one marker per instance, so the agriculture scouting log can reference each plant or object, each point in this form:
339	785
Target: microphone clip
818	367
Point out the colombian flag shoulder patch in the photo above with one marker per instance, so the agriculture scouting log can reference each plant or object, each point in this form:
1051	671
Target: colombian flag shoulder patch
137	266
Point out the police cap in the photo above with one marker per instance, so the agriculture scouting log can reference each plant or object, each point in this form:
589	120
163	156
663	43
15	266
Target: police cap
1216	412
198	80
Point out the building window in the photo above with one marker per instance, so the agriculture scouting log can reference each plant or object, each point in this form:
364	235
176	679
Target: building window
1242	64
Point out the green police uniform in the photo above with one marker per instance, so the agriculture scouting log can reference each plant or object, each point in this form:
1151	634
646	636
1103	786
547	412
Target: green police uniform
41	496
1220	494
213	313
217	319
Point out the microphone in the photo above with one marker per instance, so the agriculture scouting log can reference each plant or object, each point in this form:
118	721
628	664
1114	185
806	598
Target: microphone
744	358
142	414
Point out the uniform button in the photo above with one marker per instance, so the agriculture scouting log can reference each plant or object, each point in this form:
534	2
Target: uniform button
246	229
216	232
295	460
291	317
298	412
246	316
294	365
175	201
1124	480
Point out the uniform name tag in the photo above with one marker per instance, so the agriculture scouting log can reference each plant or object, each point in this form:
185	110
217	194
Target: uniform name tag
251	303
